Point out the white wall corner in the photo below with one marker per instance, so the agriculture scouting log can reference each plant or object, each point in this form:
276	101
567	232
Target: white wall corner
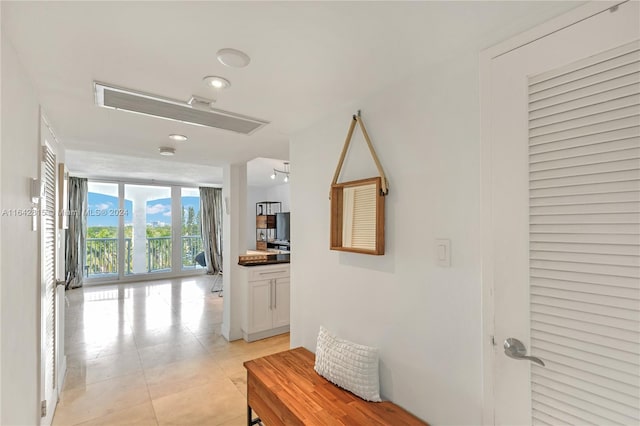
234	188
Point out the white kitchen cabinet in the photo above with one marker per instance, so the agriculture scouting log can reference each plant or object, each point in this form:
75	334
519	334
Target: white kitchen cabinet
266	301
259	298
281	309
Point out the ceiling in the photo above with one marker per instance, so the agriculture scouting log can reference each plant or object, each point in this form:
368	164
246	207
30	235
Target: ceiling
307	58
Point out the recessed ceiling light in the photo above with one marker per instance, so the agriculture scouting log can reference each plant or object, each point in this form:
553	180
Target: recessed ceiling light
233	58
177	137
216	82
167	150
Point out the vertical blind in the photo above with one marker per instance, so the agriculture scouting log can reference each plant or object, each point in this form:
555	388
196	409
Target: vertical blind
584	178
49	272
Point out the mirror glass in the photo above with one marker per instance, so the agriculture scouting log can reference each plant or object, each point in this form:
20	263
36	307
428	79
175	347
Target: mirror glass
357	217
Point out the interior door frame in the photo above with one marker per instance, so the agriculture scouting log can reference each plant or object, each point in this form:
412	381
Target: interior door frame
48	140
489	348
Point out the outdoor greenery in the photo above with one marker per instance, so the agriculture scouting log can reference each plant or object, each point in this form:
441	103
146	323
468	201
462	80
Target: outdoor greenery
102	245
190	221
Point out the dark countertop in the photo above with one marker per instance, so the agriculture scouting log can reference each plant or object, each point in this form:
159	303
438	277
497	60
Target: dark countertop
272	259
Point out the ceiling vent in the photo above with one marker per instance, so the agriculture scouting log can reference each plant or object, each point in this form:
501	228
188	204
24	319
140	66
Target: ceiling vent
198	112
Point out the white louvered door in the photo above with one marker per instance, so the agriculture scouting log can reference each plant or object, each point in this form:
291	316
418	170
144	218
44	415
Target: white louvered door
48	221
584	205
565	187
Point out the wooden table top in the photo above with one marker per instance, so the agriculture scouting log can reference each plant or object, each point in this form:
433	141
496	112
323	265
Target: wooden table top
312	399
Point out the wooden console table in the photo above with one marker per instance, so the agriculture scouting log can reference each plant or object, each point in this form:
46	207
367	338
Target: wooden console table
284	389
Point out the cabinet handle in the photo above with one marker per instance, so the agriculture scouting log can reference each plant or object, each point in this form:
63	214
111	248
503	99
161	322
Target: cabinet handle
272	272
270	295
275	294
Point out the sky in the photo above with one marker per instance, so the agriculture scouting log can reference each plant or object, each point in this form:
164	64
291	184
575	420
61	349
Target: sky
103	209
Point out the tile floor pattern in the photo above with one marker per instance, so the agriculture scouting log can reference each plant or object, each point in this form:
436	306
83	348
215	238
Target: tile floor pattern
151	353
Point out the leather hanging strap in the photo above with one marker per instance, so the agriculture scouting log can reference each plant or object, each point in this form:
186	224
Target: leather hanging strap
384	188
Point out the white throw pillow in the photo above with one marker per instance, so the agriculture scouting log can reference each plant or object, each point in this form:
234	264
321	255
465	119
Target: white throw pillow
351	366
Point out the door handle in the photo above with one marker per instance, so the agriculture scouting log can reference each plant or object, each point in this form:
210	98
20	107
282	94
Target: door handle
273	305
514	348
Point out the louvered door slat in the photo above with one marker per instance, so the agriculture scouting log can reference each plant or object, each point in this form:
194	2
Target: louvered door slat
584	385
588	403
575	286
564	122
595	349
576	411
584	174
563	418
607	58
585	248
611	125
586	140
49	253
538	209
604	154
598	77
625	183
564	315
578	151
586	336
621	84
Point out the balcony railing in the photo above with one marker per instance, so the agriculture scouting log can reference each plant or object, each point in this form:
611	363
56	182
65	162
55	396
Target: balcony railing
191	247
158	254
102	255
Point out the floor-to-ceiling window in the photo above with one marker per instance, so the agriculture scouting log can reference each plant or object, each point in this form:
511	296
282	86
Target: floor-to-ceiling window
102	230
138	229
191	233
150	227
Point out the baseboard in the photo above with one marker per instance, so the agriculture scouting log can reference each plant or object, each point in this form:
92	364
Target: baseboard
63	374
252	337
226	331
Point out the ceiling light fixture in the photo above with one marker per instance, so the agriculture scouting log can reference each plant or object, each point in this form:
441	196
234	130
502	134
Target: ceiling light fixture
178	138
285	172
233	58
217	82
167	151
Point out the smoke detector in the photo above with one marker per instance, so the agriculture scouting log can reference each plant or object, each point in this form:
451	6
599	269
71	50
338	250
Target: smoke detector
233	58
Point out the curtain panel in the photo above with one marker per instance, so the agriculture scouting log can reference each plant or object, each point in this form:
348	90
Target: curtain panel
211	215
75	255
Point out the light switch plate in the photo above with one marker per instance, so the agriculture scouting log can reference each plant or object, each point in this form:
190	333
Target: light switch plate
443	252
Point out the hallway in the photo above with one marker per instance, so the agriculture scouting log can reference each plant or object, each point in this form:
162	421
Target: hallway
151	353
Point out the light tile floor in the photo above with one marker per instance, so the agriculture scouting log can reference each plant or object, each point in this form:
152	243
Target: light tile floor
151	353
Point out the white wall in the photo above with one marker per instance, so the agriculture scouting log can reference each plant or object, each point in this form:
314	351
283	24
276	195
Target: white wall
425	319
20	287
280	193
234	193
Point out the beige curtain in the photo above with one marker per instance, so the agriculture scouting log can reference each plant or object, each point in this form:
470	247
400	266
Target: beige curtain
75	253
211	219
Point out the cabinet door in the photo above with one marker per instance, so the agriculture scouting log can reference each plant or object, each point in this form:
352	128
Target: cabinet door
260	299
281	302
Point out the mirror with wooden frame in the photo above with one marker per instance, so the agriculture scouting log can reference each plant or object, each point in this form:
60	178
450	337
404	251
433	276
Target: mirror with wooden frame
357	216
